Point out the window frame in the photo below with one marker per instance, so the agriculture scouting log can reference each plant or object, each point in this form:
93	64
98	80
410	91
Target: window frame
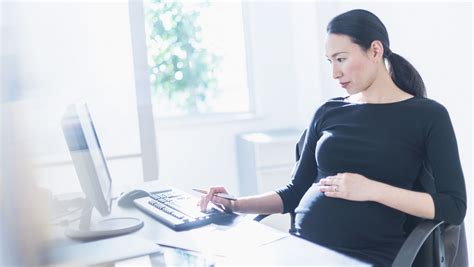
253	113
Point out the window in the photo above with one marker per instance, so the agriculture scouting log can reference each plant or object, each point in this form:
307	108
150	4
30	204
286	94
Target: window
196	55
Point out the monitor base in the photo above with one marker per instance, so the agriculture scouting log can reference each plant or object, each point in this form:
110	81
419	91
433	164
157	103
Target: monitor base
104	228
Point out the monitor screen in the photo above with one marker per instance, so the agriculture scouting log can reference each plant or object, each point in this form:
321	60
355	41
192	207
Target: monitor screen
87	157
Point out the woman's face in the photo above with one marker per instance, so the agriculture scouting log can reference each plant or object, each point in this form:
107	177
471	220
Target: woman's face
351	66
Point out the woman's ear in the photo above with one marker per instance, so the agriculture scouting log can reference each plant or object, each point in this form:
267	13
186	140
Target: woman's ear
376	51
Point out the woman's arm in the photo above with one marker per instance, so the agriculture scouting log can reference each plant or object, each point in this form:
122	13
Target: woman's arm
418	204
443	158
356	187
267	203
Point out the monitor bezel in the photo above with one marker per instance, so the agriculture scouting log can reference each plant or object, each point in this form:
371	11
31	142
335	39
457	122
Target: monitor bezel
75	122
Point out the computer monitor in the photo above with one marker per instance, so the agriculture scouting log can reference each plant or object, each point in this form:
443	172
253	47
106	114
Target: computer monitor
94	177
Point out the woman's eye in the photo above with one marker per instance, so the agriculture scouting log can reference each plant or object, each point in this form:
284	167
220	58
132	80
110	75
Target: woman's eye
341	59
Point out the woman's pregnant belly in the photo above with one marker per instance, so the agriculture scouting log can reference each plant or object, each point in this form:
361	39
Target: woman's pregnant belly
351	224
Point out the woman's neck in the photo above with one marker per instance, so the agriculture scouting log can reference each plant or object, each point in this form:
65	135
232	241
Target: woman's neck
382	90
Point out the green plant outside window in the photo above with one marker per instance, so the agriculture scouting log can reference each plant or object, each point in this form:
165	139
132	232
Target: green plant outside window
182	70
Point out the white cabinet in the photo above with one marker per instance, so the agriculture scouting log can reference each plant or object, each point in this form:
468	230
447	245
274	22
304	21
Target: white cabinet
265	159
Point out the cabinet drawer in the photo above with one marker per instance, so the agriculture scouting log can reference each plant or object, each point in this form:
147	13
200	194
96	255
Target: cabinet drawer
274	154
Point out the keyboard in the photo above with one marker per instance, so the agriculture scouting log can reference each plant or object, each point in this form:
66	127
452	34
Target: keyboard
177	209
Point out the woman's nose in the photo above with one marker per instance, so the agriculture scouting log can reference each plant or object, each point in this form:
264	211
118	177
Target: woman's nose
336	72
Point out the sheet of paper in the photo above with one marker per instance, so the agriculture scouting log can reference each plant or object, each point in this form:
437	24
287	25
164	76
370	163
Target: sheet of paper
227	241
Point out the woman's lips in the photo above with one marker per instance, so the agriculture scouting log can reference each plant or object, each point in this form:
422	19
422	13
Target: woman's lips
344	84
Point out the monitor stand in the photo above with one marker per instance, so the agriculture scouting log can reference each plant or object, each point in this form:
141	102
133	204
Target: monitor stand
103	227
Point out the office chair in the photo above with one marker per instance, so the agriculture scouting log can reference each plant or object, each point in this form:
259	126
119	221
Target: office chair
430	243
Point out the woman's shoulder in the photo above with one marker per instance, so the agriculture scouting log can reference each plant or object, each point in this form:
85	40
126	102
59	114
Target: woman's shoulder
334	102
425	111
429	105
330	103
339	99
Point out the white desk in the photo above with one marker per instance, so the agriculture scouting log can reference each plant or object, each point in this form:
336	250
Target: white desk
290	250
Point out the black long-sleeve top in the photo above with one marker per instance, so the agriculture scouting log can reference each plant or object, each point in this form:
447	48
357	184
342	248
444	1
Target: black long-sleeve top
386	143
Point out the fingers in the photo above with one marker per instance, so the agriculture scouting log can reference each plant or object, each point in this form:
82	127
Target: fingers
331	185
210	197
203	203
333	194
330	180
333	179
218	189
329	188
214	190
332	191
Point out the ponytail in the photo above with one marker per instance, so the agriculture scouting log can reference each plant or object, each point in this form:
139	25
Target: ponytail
405	76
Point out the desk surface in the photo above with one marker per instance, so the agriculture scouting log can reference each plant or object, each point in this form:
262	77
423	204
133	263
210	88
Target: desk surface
288	250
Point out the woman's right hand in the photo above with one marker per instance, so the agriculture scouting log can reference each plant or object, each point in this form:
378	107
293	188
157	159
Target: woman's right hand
227	205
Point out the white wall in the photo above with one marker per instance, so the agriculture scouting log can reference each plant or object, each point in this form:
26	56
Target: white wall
70	50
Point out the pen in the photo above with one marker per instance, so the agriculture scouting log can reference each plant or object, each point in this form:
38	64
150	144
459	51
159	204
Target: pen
222	195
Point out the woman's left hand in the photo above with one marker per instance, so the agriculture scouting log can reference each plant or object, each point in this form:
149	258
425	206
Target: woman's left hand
350	186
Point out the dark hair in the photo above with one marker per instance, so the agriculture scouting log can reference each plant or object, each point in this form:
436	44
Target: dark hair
363	28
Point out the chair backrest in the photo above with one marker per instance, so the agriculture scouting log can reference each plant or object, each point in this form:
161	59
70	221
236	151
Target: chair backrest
454	236
298	152
300	144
